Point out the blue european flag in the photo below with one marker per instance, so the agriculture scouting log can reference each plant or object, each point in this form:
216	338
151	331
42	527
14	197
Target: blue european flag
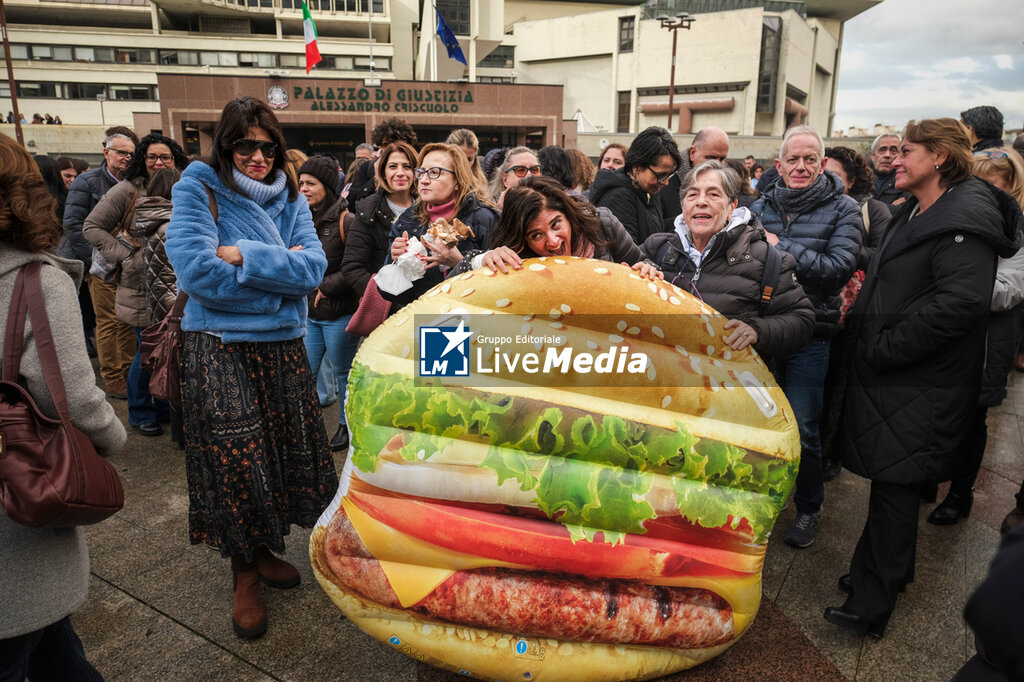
448	38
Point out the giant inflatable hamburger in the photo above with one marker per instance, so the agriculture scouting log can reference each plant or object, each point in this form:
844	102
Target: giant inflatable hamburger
581	526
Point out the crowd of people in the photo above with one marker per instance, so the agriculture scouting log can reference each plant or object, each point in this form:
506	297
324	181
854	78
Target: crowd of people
885	293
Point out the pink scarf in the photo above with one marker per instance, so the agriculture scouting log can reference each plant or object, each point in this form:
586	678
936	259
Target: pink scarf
446	211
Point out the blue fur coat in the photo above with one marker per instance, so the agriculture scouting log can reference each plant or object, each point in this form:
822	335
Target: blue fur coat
264	299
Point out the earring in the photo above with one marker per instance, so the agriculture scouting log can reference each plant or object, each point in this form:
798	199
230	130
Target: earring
936	166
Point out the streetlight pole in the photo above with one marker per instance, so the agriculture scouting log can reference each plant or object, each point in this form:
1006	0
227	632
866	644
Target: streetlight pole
10	77
101	98
682	20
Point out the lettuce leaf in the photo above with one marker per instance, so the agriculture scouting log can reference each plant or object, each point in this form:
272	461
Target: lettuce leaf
588	472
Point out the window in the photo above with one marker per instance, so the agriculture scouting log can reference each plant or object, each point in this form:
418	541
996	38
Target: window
84	90
771	34
94	54
37	89
627	27
625	109
19	51
187	57
292	60
260	59
456	15
218	58
42	52
503	57
124	93
130	56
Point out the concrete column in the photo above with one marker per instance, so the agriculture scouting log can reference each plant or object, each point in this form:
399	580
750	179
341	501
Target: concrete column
154	16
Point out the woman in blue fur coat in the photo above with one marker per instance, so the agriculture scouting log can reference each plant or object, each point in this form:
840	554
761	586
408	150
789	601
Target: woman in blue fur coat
242	243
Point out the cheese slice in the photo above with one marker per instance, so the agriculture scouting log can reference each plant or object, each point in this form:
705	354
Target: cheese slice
414	568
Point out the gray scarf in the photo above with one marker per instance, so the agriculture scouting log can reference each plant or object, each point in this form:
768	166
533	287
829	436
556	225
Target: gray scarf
794	201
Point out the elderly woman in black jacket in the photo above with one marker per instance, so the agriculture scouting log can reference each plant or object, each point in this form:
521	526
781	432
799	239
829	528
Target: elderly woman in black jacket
719	253
366	240
332	303
918	333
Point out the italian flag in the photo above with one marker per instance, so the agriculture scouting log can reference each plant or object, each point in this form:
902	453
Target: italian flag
309	31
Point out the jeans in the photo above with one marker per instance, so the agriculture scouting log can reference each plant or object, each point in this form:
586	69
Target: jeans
326	388
142	407
328	337
53	653
802	378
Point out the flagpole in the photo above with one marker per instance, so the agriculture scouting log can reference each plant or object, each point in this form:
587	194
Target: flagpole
433	45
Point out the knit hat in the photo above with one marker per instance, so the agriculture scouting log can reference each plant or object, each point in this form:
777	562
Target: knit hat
322	167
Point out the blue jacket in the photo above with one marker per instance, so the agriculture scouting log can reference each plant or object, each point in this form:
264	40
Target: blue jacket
825	241
264	299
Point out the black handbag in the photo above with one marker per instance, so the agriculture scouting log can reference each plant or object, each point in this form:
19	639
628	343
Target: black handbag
50	473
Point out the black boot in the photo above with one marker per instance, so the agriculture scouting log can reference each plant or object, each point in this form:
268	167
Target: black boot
340	440
830	469
956	506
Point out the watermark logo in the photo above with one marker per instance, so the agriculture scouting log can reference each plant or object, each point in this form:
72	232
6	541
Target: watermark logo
444	351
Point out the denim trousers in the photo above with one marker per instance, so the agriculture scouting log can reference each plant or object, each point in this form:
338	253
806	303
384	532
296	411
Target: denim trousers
329	338
50	654
142	407
326	389
802	378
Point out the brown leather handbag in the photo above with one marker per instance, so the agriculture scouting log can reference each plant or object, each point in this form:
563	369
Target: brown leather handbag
50	474
160	353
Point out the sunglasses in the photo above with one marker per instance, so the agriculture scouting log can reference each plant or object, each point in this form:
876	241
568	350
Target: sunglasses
432	173
661	177
993	155
521	171
248	147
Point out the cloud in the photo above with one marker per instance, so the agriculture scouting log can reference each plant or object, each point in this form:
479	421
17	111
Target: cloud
906	59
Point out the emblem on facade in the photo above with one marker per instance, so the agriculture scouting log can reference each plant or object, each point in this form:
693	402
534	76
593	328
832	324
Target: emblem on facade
277	97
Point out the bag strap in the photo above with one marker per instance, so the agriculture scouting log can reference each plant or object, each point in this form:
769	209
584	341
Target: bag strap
14	335
866	217
213	203
769	278
31	288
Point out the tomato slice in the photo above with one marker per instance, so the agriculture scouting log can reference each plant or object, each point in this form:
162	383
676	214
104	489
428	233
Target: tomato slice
547	545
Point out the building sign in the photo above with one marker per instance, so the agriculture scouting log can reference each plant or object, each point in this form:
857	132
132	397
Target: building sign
277	97
386	98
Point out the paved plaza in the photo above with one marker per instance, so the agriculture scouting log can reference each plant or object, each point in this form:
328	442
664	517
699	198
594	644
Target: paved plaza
160	609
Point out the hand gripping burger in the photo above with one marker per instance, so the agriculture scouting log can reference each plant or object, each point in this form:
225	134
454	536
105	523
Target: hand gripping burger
534	529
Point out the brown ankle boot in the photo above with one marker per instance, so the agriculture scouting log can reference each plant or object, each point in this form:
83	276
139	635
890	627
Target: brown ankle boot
275	571
248	615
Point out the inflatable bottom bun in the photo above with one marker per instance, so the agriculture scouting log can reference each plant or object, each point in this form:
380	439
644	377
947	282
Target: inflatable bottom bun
500	656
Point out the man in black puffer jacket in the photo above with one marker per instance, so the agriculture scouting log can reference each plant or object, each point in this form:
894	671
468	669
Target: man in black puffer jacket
807	215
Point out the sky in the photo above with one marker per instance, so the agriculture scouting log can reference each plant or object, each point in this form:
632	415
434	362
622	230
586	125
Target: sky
907	59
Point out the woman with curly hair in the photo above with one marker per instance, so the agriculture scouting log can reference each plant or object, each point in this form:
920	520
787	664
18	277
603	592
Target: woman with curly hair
859	181
112	228
583	169
44	572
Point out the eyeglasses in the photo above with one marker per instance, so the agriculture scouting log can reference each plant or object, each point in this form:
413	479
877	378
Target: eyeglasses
162	158
661	177
120	154
248	147
993	155
521	171
432	173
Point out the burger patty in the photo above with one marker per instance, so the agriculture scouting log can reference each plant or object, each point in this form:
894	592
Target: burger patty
544	604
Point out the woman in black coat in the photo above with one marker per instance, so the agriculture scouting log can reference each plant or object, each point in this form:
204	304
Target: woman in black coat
629	192
918	334
366	243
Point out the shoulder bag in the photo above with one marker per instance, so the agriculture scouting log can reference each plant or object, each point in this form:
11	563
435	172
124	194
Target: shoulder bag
160	343
372	311
50	473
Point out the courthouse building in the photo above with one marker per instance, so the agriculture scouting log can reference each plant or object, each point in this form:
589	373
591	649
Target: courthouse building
533	65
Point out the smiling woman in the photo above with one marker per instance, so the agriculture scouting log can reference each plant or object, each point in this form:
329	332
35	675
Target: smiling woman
541	219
